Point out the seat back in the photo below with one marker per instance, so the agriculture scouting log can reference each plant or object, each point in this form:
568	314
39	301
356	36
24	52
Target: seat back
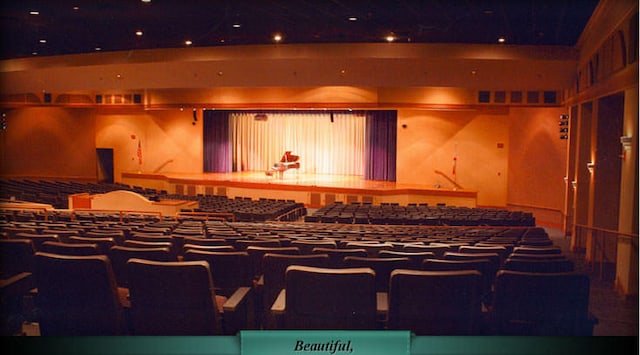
104	244
120	255
172	298
321	298
537	250
306	246
257	252
437	249
486	267
382	267
372	248
229	269
416	258
553	304
274	268
500	250
530	265
70	248
243	244
38	239
435	302
336	256
77	295
16	256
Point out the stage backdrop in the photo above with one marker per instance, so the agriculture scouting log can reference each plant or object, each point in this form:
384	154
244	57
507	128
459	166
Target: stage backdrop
328	142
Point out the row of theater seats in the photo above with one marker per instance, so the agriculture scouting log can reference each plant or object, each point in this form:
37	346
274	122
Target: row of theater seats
441	278
418	214
55	193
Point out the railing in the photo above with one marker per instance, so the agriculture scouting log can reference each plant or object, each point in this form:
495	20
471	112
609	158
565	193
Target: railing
22	206
601	245
121	213
208	216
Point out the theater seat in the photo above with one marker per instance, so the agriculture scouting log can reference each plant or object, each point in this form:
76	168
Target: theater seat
274	267
435	302
541	304
77	295
178	298
382	267
321	298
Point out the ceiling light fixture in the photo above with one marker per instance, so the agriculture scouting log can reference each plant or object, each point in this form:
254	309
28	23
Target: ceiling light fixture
188	42
277	37
353	18
34	12
43	41
236	25
139	33
501	39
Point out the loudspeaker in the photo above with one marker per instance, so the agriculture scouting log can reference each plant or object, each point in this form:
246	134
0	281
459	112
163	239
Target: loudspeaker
47	98
98	99
137	98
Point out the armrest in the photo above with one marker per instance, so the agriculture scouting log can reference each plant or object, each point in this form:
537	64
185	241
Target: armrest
382	303
17	284
279	304
236	299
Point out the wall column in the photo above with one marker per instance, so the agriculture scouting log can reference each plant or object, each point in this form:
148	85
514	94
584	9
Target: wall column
627	259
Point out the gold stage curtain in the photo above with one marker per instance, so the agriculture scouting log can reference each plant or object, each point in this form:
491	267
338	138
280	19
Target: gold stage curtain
327	143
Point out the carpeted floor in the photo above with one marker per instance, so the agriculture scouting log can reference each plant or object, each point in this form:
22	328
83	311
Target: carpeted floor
617	316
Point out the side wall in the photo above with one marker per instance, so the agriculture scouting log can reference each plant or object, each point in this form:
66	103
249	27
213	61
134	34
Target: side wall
48	142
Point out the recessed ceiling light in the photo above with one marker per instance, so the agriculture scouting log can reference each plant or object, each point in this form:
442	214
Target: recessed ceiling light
43	41
76	8
236	25
277	37
34	53
34	12
98	49
146	1
390	38
501	39
188	42
353	18
139	33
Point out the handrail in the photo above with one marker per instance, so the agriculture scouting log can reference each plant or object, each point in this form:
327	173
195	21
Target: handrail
18	205
293	211
611	231
209	216
598	253
121	213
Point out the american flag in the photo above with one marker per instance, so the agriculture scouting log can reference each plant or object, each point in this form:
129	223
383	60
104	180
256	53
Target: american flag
139	153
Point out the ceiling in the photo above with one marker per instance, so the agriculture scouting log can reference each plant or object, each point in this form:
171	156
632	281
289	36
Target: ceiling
81	26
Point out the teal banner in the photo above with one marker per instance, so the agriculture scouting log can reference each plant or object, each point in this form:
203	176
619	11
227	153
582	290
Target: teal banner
320	342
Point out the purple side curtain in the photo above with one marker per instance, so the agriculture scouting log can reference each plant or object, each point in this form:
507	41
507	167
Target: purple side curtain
217	142
380	145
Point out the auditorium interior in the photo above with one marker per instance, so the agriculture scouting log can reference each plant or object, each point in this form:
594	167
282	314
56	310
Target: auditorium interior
203	168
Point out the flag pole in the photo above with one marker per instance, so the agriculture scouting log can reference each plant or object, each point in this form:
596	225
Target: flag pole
455	162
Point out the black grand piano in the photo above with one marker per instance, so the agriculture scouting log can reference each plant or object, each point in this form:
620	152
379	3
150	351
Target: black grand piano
288	161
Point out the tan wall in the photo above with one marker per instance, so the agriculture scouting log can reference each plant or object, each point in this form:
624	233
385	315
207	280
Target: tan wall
169	141
426	148
48	142
537	161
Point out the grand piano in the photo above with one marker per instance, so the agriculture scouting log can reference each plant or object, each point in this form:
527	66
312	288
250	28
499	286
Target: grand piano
288	161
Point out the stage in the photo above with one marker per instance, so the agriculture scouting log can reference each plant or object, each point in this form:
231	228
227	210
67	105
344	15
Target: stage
314	190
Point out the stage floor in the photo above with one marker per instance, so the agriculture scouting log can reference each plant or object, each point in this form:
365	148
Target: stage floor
349	188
